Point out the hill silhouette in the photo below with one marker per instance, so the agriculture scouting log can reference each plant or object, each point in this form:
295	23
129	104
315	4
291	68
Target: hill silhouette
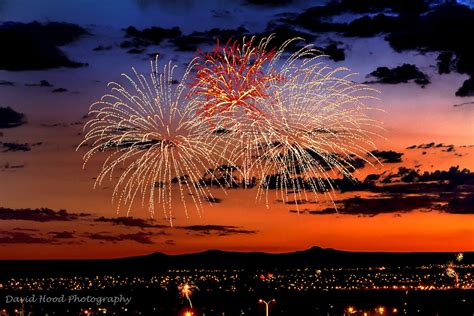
313	257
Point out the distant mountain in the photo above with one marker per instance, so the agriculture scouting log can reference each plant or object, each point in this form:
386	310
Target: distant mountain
313	257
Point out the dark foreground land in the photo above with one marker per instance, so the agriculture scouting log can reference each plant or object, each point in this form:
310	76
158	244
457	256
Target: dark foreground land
312	282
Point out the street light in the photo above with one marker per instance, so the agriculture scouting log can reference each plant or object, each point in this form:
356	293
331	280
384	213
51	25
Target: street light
266	305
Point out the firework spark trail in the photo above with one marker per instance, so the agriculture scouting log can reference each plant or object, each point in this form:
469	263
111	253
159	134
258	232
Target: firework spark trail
150	136
300	125
451	271
319	127
186	290
235	78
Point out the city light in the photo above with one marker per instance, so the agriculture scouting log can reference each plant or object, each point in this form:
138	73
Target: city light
291	281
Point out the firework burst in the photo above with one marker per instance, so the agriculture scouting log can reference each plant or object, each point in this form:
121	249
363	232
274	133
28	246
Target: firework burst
235	78
452	273
451	268
186	290
301	124
147	132
319	127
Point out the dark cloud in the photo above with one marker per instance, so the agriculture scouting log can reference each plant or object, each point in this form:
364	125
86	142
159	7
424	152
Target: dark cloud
442	190
193	41
370	6
449	148
420	25
53	125
42	83
325	211
6	83
316	18
281	34
462	104
461	205
61	124
39	215
438	180
21	238
10	118
9	166
219	230
62	235
369	26
11	147
21	229
387	156
400	74
334	52
271	3
140	237
149	36
446	184
21	41
103	236
346	184
375	206
445	62
296	202
14	147
131	222
428	145
59	90
442	29
225	176
101	48
326	162
467	88
136	51
220	13
170	242
431	145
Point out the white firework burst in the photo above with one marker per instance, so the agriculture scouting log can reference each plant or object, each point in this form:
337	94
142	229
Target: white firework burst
149	135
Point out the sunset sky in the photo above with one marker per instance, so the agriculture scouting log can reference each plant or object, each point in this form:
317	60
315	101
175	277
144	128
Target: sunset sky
40	167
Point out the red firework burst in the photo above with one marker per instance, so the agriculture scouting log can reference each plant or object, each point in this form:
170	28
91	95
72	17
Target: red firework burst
234	77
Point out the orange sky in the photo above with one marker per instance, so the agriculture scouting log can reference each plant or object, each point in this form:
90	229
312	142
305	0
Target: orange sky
57	181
